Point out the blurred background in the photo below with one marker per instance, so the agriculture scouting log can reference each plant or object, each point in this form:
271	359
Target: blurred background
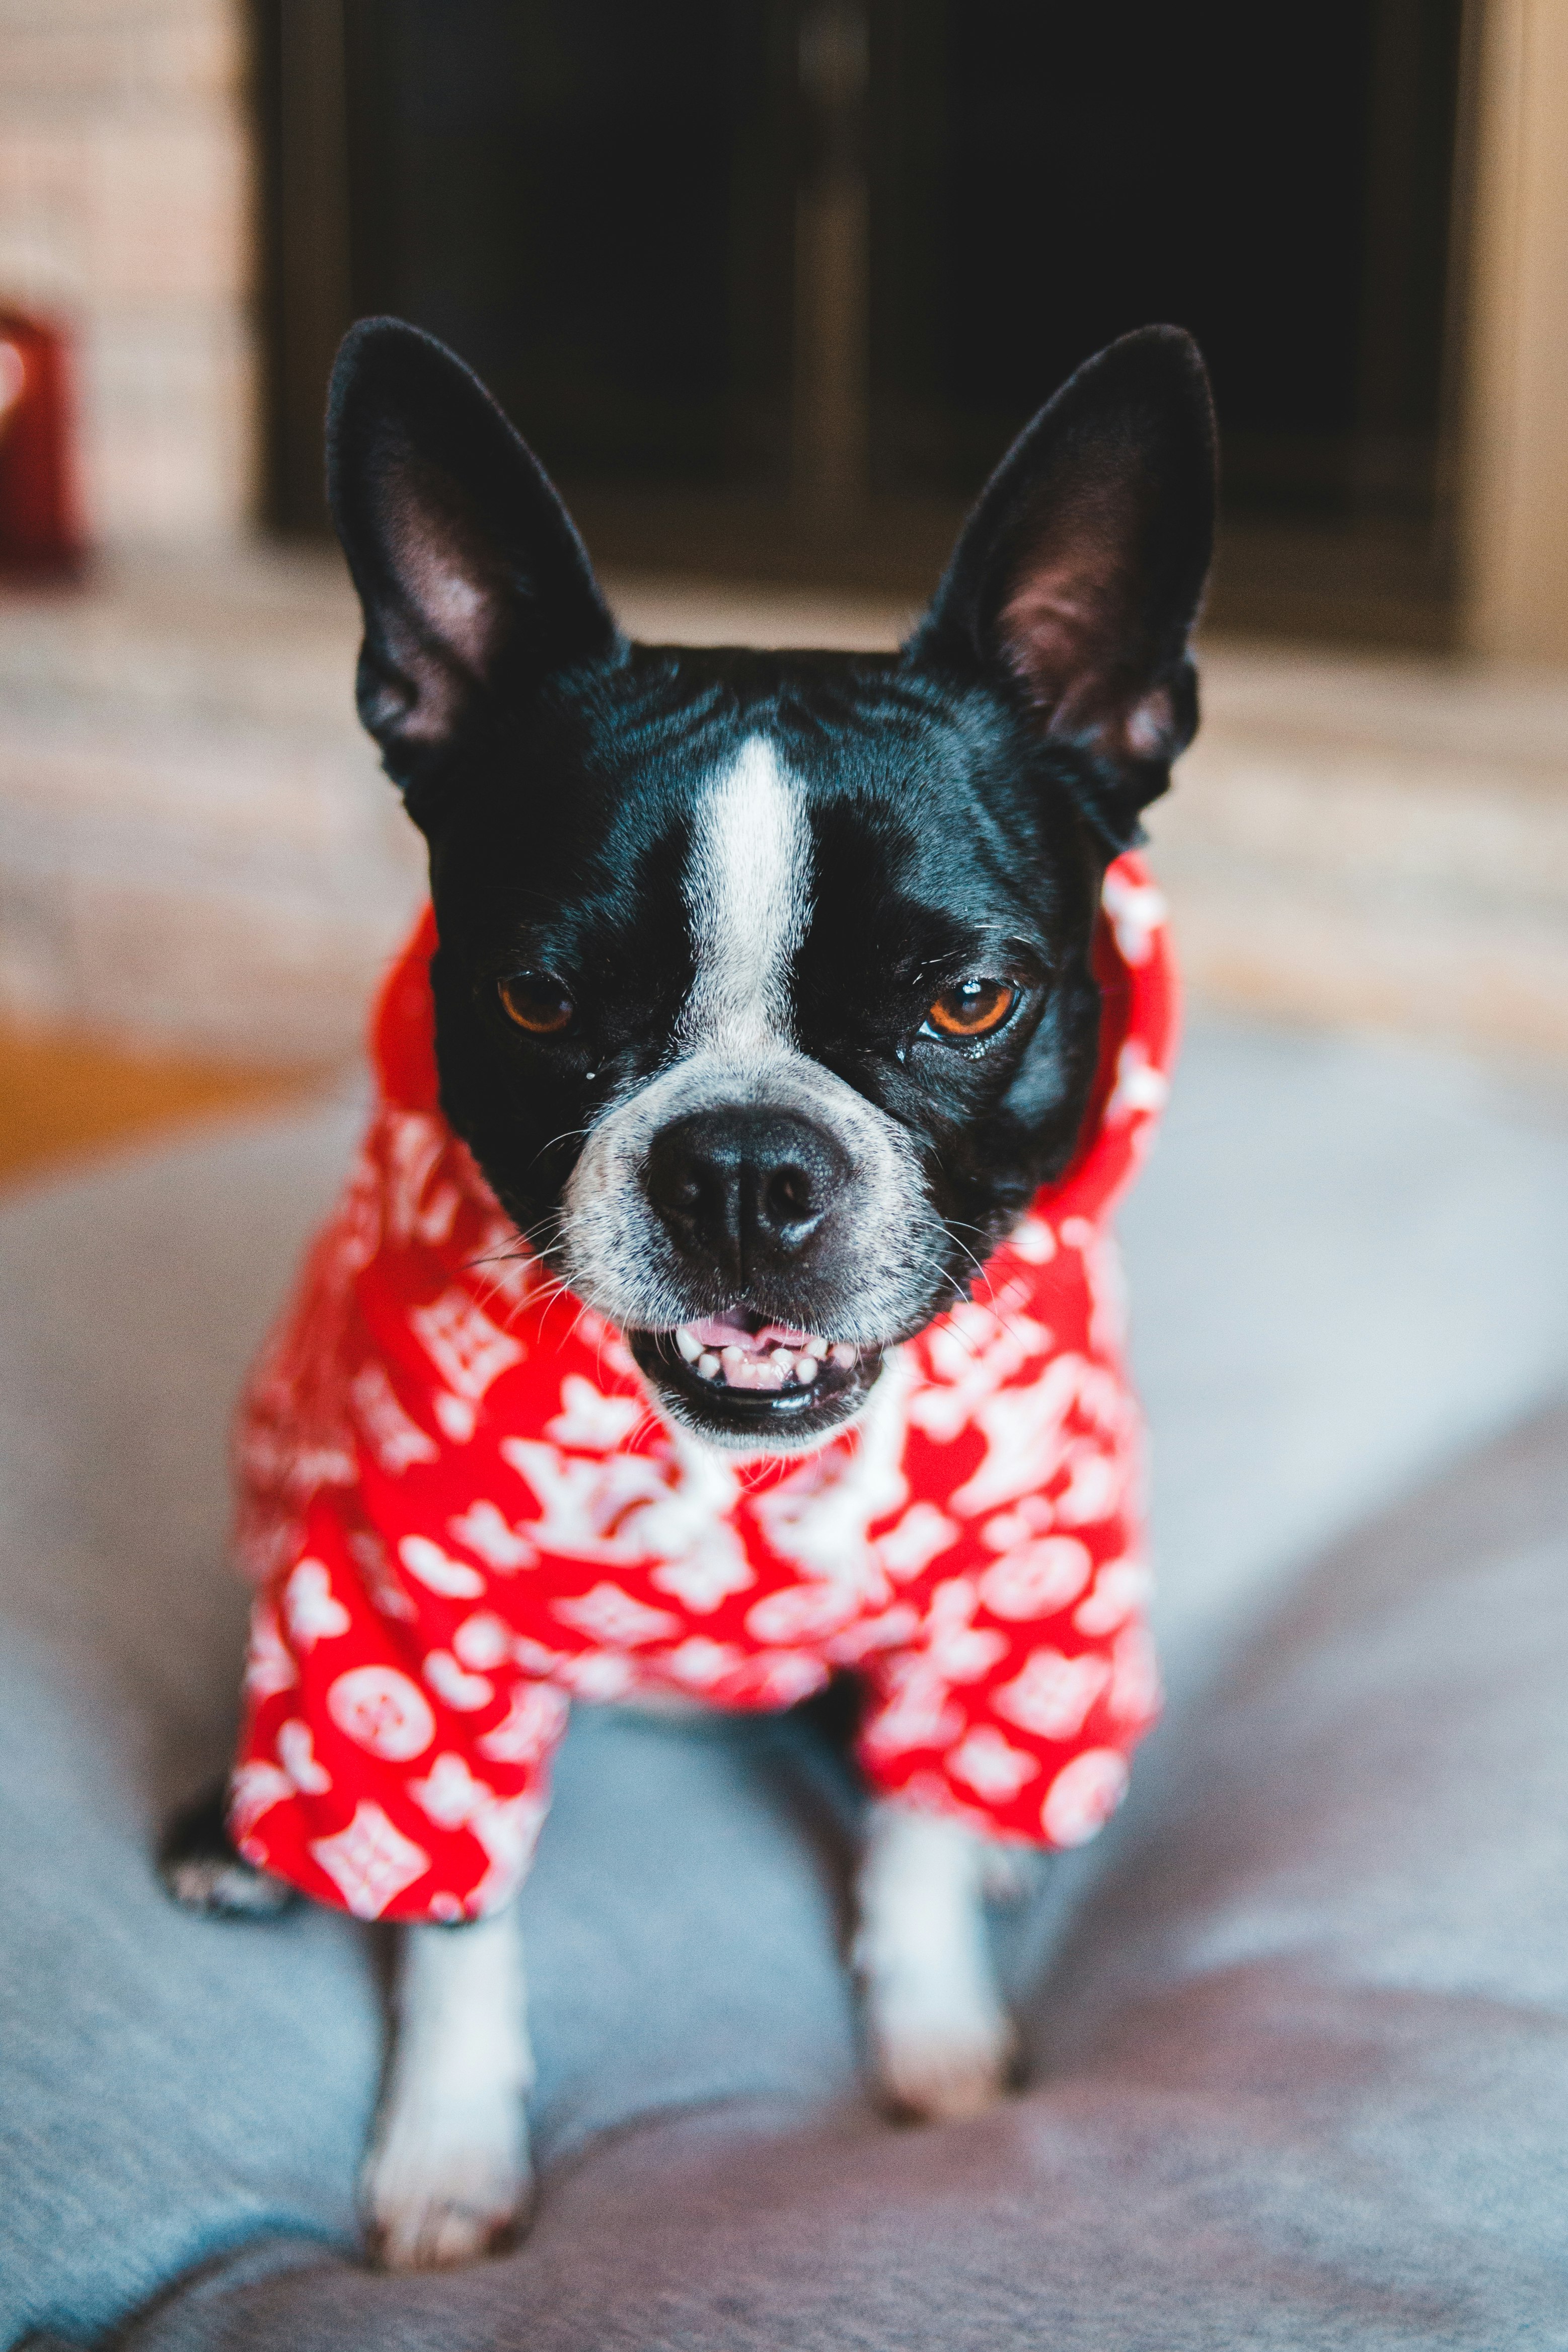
770	284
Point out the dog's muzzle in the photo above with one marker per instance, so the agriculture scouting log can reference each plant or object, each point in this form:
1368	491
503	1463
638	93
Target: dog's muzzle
754	1201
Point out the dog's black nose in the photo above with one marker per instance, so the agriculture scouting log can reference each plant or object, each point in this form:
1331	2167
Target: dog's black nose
744	1189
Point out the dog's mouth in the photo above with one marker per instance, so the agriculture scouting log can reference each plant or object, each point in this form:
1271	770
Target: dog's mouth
743	1375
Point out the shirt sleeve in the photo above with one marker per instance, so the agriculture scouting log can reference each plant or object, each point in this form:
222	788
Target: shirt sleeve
390	1766
1022	1729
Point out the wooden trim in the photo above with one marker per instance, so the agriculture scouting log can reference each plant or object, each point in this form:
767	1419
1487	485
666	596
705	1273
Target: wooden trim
1514	471
302	114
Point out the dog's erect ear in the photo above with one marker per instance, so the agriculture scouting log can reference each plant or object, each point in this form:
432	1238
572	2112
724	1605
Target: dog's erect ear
1079	575
472	577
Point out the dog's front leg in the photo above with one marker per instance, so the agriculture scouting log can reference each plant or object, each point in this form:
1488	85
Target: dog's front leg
448	2174
940	2040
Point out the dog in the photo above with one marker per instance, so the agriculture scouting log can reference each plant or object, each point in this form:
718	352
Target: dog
723	1298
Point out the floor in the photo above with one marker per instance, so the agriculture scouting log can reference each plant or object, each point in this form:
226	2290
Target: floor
65	1097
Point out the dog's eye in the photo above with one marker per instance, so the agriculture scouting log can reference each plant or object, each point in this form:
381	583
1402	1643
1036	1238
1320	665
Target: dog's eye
537	1002
973	1009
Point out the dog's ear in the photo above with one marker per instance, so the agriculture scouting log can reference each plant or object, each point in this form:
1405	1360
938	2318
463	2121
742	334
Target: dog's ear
1078	577
473	579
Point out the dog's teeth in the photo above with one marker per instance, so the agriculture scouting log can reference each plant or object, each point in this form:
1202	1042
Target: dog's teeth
778	1356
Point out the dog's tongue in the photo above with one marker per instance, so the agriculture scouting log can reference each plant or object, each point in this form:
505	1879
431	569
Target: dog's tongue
716	1332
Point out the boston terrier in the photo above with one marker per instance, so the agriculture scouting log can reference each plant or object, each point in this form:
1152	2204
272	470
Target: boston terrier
723	1298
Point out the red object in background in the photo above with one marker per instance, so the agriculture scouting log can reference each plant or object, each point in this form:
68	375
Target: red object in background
39	530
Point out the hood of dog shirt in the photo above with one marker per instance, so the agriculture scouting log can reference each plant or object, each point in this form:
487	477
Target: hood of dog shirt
460	1511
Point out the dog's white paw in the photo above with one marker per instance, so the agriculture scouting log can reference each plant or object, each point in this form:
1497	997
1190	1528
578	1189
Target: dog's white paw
222	1886
440	2189
937	2052
940	2042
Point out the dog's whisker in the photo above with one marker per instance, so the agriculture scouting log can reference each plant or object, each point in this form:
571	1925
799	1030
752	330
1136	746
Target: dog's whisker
567	1135
649	1419
985	1305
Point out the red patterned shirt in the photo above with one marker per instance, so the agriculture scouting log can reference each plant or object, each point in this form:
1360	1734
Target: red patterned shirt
460	1512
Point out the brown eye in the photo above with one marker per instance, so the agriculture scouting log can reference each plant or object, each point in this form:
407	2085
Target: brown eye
973	1009
537	1002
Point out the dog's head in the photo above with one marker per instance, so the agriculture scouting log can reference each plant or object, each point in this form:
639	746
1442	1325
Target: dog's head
763	996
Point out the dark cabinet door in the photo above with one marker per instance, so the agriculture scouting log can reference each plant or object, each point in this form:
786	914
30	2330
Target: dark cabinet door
798	268
1277	180
591	200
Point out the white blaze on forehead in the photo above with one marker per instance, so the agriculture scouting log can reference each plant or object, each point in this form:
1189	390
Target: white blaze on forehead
746	887
747	894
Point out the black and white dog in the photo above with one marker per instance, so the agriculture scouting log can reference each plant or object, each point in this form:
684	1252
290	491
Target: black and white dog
729	888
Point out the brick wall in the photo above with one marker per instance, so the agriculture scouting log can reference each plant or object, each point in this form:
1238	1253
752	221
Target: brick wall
125	210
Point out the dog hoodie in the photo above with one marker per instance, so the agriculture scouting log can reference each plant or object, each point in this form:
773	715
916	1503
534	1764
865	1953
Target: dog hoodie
460	1511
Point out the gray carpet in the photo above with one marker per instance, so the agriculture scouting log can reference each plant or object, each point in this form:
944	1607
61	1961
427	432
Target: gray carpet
1300	2024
